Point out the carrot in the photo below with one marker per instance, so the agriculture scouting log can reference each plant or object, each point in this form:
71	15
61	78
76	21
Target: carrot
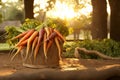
23	43
52	36
30	32
32	37
34	43
41	35
36	51
59	35
20	35
49	44
51	30
59	39
58	46
40	38
18	50
47	31
45	46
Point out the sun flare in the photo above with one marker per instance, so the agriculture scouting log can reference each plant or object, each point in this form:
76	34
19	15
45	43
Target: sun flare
62	10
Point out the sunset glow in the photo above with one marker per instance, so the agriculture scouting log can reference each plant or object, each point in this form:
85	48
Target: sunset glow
66	11
62	10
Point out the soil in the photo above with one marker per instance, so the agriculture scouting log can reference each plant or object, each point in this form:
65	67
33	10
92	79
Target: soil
69	64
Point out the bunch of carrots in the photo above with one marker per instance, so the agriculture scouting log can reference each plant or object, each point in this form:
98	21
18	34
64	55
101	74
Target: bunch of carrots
33	39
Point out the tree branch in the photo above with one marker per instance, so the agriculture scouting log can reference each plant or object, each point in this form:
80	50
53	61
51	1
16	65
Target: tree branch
77	53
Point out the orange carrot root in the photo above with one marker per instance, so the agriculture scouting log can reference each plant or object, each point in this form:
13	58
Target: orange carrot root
34	43
18	50
59	35
29	33
32	37
59	48
47	31
36	51
45	46
20	35
23	43
49	44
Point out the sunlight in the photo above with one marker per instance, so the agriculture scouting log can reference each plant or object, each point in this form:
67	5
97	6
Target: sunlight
66	11
62	10
87	10
108	8
9	1
43	4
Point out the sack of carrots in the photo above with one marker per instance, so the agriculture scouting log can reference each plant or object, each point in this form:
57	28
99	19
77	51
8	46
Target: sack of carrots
34	39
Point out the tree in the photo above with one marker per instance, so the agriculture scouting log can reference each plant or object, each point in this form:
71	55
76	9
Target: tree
115	19
28	5
0	13
99	19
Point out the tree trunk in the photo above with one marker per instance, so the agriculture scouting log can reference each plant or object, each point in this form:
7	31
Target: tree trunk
115	19
28	5
99	20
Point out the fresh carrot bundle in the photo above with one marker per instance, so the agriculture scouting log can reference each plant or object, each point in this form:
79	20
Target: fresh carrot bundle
20	35
18	50
59	35
45	35
32	37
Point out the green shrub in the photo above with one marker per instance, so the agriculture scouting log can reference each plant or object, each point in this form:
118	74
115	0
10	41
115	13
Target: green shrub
107	46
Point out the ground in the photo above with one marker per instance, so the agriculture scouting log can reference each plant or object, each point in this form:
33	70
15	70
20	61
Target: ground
69	64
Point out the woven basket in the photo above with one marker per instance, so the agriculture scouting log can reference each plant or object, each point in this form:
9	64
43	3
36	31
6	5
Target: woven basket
52	60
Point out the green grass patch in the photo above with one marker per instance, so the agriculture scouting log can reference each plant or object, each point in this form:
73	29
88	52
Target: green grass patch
4	46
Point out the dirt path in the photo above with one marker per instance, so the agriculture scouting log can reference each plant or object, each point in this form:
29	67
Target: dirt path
8	68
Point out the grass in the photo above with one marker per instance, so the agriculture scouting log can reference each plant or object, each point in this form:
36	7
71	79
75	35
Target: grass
4	46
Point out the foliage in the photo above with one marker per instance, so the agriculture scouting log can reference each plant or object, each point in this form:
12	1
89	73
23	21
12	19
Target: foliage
30	24
107	46
11	32
34	24
15	14
12	11
4	46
